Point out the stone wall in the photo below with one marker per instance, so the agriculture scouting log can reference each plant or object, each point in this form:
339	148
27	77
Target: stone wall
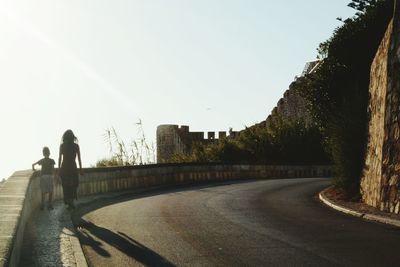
15	209
20	194
380	180
292	106
103	180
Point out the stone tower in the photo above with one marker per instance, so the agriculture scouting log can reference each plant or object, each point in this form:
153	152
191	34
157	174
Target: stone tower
168	141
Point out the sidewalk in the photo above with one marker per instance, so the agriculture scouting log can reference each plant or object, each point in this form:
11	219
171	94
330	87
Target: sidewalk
359	209
50	238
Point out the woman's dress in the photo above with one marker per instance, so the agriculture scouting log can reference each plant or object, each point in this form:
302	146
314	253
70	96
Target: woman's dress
69	171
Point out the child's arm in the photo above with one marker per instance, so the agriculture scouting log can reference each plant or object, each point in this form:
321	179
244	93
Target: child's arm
33	165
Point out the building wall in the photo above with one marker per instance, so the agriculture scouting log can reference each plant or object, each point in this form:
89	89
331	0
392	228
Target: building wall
380	179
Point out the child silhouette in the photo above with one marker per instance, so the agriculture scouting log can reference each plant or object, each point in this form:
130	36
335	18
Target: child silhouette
46	177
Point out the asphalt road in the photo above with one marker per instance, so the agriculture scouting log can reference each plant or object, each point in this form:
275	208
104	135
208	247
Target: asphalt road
252	223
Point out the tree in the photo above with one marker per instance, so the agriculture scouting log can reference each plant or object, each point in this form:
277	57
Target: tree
363	5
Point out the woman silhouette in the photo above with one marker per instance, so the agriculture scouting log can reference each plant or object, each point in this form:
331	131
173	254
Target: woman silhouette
69	149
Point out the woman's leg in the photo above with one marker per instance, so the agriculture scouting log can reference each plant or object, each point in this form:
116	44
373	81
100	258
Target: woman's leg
69	196
65	194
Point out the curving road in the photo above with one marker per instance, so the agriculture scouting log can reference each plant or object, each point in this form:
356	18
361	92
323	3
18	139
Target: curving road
252	223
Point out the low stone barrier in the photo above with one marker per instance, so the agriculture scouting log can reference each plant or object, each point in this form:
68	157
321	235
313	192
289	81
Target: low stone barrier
20	194
14	212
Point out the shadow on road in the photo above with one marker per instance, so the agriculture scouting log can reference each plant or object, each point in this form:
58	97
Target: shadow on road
120	241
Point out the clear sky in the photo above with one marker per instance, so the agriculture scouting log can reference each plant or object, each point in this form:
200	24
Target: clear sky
92	64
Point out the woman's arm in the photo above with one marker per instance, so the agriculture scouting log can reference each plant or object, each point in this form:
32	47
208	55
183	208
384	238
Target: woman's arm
59	158
78	152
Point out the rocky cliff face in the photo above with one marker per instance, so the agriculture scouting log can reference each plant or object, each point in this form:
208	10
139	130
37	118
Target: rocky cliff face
381	174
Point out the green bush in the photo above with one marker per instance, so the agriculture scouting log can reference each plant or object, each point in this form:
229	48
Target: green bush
283	142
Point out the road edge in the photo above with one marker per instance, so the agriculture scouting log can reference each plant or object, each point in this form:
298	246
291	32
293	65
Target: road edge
366	216
80	259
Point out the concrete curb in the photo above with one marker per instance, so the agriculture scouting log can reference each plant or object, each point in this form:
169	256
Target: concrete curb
80	259
366	216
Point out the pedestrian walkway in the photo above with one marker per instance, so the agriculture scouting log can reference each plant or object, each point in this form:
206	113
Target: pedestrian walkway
50	240
359	209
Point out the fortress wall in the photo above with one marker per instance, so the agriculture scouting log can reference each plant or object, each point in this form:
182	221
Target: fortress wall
292	106
172	139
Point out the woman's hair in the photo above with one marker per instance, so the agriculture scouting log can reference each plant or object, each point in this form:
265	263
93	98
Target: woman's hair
69	137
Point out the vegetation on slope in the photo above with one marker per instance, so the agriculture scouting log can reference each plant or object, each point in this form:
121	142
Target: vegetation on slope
337	92
289	142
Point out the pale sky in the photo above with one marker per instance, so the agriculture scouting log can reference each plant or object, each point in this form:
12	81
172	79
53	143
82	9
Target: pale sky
88	65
